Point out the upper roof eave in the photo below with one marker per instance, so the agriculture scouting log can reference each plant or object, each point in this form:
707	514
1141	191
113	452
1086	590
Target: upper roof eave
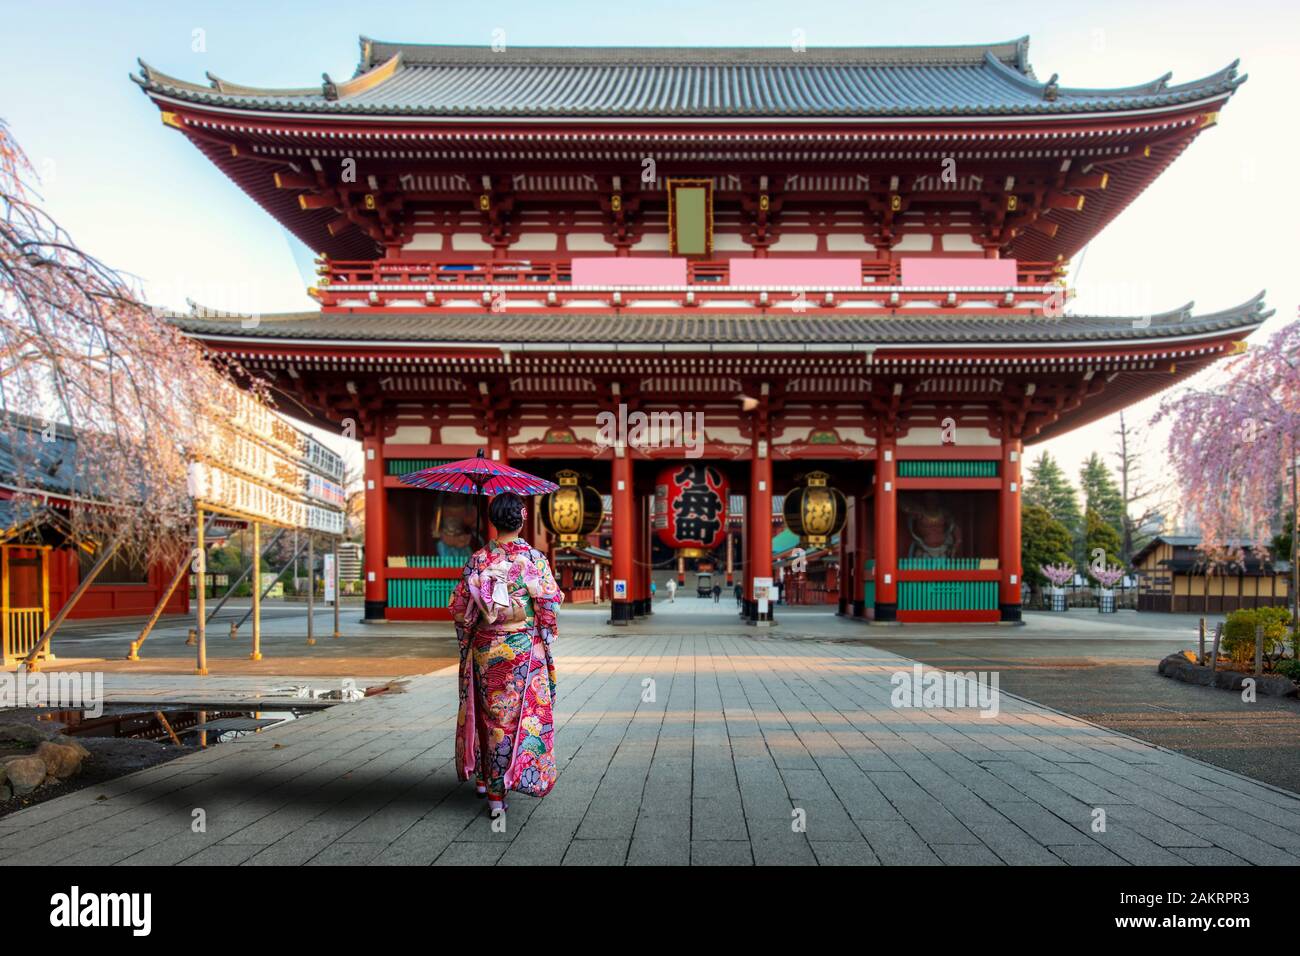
1012	52
982	80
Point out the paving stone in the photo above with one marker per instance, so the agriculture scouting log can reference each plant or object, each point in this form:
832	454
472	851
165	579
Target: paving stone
470	854
1208	856
965	854
897	844
1089	855
845	854
721	853
596	853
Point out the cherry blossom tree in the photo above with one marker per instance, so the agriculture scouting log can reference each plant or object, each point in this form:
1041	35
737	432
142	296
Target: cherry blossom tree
1059	574
1108	576
80	352
1233	448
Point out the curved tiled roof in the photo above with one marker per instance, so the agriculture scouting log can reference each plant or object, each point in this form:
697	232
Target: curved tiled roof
565	330
693	82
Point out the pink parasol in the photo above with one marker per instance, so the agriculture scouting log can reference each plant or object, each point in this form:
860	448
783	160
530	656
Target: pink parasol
478	476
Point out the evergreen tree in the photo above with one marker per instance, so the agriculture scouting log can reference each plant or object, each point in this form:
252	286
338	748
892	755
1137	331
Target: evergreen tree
1048	488
1101	494
1043	540
1100	535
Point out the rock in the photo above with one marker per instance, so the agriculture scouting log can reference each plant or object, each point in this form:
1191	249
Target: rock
1170	664
75	744
1228	680
1273	685
25	733
24	774
62	759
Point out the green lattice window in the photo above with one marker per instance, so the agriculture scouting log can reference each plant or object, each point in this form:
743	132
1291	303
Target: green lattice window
948	595
916	468
946	564
412	592
404	466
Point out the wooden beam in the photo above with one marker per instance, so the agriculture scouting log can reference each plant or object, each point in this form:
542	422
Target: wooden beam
308	201
294	181
1088	181
1060	201
31	661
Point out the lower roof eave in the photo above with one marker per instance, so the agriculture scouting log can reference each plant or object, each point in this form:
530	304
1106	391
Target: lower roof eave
646	348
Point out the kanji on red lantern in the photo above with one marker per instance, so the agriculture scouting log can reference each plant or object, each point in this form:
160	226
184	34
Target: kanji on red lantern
691	506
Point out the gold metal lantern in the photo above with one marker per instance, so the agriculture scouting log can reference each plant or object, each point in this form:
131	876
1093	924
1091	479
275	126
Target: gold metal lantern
815	511
572	511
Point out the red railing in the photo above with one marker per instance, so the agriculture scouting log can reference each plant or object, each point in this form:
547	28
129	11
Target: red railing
521	284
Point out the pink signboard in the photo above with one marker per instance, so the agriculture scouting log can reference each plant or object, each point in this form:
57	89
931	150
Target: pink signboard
616	270
947	273
812	273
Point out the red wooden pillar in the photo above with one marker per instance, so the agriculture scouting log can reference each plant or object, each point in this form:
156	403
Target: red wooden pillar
864	553
760	530
647	554
1009	530
731	564
886	514
376	568
623	521
637	586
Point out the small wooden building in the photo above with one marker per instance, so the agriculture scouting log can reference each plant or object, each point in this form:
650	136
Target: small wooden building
1173	575
41	564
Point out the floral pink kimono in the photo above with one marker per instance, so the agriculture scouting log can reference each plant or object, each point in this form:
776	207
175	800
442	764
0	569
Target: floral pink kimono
507	599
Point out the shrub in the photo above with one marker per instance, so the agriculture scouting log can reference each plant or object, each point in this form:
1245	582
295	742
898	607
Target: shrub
1290	667
1239	631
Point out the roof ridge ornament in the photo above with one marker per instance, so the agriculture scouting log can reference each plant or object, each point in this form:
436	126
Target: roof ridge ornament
1022	56
328	88
1052	89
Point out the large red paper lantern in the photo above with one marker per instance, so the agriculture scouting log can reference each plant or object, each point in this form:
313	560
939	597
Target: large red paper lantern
690	513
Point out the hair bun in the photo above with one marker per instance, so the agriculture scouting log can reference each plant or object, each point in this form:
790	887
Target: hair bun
506	511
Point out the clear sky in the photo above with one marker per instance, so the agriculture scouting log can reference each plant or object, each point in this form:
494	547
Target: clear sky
1219	226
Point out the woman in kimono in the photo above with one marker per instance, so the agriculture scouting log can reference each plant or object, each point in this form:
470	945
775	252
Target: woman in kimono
504	607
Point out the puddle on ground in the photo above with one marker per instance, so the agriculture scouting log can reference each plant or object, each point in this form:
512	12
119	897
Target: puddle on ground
172	723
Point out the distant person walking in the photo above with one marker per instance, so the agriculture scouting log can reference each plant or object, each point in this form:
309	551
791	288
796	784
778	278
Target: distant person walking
672	590
740	595
717	593
652	591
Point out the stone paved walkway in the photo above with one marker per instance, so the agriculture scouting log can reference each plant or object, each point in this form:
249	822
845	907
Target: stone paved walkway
744	731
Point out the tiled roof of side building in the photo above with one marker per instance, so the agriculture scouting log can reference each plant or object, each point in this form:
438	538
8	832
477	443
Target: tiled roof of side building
564	330
37	456
693	82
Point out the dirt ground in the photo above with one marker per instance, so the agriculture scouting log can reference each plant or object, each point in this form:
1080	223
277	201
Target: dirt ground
110	757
